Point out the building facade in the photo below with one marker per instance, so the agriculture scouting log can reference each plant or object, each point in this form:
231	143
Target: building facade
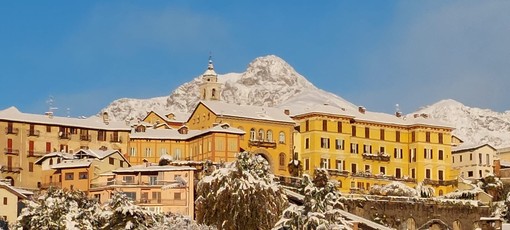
28	137
474	161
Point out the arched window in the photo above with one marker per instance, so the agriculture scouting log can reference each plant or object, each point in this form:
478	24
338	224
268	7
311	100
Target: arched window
282	138
203	97
440	192
261	135
269	136
51	161
282	159
213	94
252	134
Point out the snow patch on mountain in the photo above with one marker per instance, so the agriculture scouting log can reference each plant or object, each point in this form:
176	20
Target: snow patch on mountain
472	125
268	81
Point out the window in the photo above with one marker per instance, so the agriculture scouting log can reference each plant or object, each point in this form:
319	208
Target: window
398	173
325	163
30	166
381	150
69	176
269	136
48	147
470	173
353	168
440	138
252	134
282	138
153	180
307	126
122	164
339	165
367	148
440	155
282	159
156	196
164	152
397	136
480	159
470	156
307	164
453	159
339	144
413	136
413	173
427	173
307	143
440	175
460	158
487	159
48	129
398	153
427	153
354	148
261	135
427	137
382	170
101	135
324	143
51	161
367	168
367	132
111	160
177	154
132	151
128	179
382	134
324	125
339	126
148	152
177	196
130	195
353	130
83	175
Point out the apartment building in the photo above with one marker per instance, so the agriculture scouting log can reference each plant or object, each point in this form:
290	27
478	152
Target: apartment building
474	161
28	137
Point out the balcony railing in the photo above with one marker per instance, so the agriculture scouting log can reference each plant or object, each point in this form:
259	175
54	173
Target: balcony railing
64	136
383	177
11	151
32	153
143	201
440	182
10	169
115	139
11	131
376	156
51	184
133	183
337	172
262	143
290	181
33	133
84	137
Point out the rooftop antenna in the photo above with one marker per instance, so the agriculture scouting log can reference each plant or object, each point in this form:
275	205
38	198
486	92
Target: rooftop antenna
50	102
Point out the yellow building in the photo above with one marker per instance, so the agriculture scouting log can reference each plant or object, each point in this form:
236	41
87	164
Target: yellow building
269	130
362	148
79	170
29	136
217	143
10	200
158	188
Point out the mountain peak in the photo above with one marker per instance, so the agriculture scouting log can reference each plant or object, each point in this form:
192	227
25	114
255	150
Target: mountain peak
451	103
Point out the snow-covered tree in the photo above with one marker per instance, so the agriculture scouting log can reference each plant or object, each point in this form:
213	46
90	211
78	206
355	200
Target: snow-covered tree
172	221
394	188
493	186
60	209
121	213
243	195
424	191
320	209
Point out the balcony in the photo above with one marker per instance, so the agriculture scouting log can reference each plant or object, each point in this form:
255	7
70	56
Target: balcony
10	130
262	143
376	156
51	184
32	153
383	177
85	137
64	136
170	202
10	169
337	172
135	183
440	182
33	133
11	151
115	139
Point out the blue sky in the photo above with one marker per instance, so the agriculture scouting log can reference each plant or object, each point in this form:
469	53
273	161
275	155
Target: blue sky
373	53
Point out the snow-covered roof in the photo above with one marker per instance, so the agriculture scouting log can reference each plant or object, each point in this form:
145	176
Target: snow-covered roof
66	156
77	163
469	147
321	109
180	117
100	154
16	191
94	122
165	134
247	111
153	168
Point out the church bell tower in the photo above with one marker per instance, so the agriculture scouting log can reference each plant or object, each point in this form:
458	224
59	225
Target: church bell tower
210	88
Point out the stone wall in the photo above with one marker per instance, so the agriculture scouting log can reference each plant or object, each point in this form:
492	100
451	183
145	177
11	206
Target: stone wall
413	213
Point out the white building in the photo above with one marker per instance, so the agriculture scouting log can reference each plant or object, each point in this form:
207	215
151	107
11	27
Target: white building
473	161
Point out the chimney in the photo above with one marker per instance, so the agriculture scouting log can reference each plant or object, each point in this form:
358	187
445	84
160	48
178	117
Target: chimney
398	114
416	115
362	109
106	120
286	111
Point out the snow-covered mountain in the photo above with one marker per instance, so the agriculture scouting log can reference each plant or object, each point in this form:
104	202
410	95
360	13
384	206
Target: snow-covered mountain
268	81
473	125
